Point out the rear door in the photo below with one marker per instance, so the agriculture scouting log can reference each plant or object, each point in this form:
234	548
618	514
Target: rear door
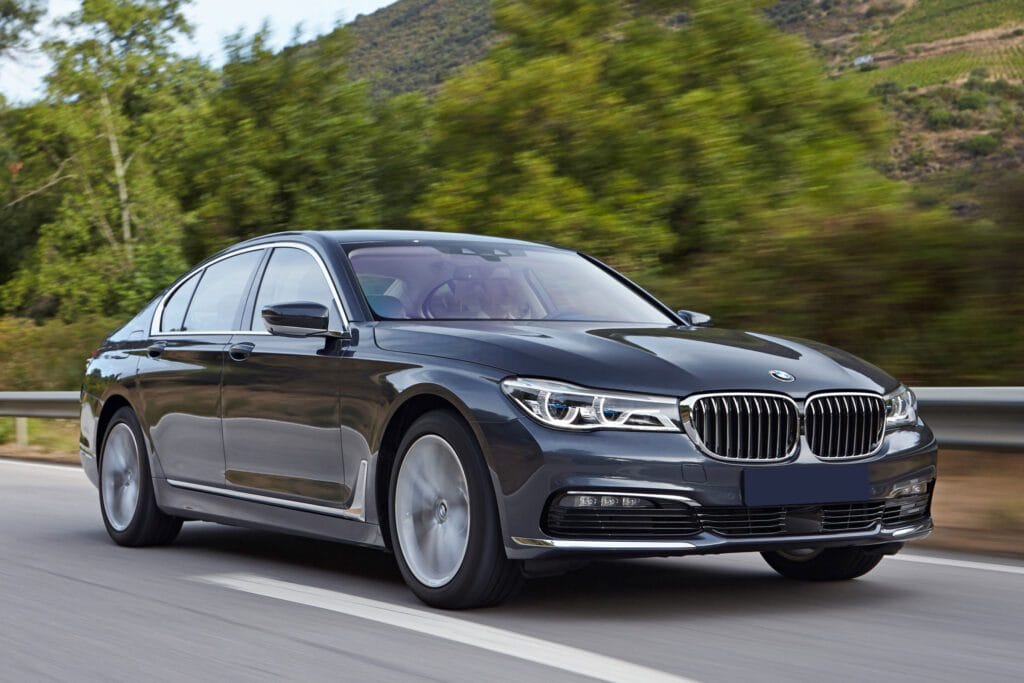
180	377
282	420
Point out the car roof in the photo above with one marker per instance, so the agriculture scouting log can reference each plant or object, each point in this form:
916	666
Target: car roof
384	236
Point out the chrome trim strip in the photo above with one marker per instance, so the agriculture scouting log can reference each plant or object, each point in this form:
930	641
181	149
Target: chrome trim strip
356	511
686	413
635	494
602	545
154	328
878	531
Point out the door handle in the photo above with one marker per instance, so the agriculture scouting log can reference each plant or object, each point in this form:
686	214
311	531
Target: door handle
241	350
156	348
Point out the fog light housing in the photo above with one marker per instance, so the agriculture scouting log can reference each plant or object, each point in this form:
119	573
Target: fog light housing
914	487
588	500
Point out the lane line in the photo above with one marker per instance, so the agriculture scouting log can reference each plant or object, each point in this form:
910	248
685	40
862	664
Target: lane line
960	564
435	624
42	465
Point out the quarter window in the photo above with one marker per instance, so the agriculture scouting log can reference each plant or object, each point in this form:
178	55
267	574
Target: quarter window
173	317
291	276
215	305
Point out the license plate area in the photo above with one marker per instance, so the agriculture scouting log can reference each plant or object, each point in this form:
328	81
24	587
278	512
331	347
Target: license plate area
805	484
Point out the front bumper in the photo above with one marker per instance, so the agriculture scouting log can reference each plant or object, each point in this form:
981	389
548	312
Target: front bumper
531	465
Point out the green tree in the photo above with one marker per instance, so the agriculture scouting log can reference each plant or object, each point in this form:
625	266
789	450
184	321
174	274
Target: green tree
285	143
643	142
17	20
115	234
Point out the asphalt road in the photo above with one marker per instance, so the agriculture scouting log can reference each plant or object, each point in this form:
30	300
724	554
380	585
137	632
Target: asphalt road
224	603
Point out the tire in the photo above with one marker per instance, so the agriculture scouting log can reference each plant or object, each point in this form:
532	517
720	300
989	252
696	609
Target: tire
127	500
827	564
441	497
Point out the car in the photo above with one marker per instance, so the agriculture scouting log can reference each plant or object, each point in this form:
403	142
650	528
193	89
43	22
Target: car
491	409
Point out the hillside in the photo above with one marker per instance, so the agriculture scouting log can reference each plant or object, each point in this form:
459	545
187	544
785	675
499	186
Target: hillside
417	44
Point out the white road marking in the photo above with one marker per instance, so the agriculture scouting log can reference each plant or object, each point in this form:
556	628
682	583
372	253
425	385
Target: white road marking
435	624
75	469
961	564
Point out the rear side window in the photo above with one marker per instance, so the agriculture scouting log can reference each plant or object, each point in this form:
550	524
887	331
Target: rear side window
174	310
291	276
218	298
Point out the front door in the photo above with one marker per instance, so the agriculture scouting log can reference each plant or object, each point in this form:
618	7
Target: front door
282	421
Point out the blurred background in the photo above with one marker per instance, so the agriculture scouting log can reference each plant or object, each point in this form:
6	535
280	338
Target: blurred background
846	170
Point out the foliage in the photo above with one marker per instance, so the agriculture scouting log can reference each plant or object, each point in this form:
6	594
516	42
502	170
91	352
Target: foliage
109	244
668	143
47	356
284	143
981	145
17	19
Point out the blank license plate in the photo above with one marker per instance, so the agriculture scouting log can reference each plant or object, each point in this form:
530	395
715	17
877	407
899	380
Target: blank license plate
803	484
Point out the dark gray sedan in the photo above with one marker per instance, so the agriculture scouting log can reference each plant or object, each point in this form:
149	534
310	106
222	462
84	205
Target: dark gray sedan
488	409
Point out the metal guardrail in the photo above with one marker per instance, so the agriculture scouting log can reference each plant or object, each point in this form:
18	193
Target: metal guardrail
58	404
983	418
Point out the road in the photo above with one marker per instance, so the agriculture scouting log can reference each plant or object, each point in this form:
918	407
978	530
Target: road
225	603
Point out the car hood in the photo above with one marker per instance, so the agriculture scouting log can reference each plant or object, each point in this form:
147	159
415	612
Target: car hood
668	360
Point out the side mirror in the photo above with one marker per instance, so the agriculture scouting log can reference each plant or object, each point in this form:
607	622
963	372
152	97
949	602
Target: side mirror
298	319
695	319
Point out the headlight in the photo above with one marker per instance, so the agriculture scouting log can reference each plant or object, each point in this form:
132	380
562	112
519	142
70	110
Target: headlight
566	406
900	408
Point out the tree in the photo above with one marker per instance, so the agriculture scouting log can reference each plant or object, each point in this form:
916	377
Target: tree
114	240
283	144
17	20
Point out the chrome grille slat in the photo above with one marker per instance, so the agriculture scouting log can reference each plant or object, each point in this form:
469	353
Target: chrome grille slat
844	425
744	426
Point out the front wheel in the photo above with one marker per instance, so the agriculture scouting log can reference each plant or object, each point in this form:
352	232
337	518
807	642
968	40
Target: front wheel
444	521
825	564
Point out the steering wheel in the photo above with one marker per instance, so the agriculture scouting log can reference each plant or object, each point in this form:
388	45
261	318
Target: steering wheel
435	306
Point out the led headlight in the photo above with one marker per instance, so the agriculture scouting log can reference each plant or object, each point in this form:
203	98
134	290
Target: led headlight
900	408
566	406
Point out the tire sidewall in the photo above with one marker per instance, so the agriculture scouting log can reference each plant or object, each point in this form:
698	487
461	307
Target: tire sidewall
484	530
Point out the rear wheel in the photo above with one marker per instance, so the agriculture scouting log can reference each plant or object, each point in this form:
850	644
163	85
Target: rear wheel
444	521
825	564
127	500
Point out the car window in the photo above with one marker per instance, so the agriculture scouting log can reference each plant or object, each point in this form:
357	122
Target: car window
291	276
220	292
174	310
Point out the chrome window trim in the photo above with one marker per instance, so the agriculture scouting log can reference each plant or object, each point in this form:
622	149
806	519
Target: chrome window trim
355	511
154	328
827	394
686	412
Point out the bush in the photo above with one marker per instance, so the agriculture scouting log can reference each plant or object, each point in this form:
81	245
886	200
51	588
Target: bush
50	356
971	100
940	119
980	145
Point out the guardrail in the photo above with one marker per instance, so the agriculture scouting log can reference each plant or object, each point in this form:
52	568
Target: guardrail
981	418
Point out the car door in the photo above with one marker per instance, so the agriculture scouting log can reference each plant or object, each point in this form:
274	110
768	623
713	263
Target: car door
180	377
282	422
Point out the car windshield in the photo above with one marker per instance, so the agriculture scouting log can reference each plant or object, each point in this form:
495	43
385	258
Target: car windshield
470	281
